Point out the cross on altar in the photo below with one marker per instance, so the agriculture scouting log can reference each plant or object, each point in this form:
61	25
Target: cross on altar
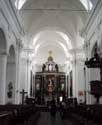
23	94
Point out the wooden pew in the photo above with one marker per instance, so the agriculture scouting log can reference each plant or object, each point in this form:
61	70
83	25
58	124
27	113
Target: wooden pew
5	118
21	113
87	114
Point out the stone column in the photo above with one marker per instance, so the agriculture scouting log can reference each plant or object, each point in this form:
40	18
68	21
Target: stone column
74	78
34	85
17	86
69	85
3	62
66	86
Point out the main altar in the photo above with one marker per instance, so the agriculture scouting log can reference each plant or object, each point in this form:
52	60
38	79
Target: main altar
50	83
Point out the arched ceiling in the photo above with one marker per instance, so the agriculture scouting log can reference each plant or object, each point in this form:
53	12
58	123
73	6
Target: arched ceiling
53	25
59	13
52	12
48	36
57	53
57	42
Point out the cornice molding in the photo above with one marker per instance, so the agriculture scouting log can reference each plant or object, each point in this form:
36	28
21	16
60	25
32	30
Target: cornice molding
12	17
92	18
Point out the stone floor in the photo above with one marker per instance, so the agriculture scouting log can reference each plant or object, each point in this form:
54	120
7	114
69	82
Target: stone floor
47	119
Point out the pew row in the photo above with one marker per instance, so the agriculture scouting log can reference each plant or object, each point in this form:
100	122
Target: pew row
86	114
20	114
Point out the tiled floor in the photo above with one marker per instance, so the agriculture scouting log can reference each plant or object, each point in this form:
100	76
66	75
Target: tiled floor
47	119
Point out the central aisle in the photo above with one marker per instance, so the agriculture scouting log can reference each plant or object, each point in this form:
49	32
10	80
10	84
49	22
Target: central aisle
47	119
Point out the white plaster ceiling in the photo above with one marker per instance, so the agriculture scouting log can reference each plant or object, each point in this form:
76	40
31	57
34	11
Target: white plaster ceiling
58	54
45	20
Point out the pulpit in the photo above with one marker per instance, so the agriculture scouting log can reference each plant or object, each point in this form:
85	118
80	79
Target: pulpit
96	89
96	86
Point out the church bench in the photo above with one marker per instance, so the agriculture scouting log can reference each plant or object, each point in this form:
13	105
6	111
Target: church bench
21	113
79	114
87	114
33	119
5	118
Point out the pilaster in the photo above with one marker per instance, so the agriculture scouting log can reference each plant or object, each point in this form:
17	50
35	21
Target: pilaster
3	64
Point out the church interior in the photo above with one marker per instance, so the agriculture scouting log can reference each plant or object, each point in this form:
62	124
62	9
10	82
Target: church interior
50	72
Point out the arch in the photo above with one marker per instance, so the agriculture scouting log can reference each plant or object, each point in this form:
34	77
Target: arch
58	30
57	44
58	37
3	45
58	54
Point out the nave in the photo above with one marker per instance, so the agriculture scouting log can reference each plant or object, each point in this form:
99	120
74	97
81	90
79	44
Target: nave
47	119
50	49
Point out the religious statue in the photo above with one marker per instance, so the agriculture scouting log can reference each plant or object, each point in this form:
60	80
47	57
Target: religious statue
10	90
50	58
62	86
38	86
50	86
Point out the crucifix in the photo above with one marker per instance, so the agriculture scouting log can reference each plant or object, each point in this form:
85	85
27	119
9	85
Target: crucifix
23	94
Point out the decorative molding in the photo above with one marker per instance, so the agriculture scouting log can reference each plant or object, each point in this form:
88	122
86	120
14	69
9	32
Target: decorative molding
91	19
3	54
11	18
13	13
93	15
7	21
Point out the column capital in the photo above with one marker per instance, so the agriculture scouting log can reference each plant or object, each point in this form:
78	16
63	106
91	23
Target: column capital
3	54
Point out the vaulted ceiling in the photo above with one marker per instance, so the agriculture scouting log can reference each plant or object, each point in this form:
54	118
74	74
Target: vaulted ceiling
53	25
